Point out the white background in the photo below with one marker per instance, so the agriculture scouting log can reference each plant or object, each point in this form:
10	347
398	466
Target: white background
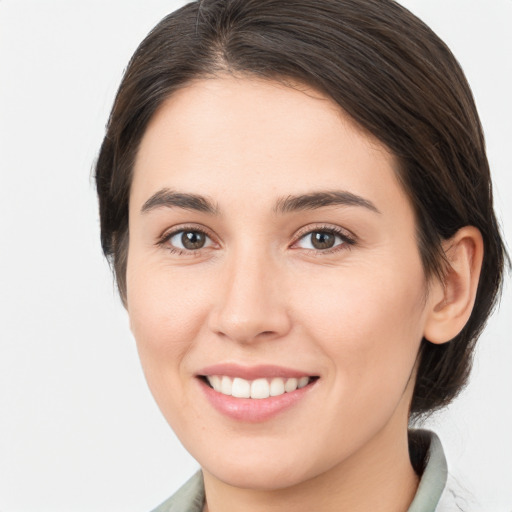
79	431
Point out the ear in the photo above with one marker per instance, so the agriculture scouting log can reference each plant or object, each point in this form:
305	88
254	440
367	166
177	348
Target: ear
451	301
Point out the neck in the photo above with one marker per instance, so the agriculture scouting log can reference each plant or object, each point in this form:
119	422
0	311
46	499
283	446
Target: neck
378	477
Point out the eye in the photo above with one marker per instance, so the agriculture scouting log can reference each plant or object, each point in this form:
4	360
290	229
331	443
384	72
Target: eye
323	240
188	240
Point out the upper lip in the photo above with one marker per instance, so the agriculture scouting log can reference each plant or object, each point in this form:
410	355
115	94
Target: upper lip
252	372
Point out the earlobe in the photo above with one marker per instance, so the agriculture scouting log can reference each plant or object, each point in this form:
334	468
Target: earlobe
451	301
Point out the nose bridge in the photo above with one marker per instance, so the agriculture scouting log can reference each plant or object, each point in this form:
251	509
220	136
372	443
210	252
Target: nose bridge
250	304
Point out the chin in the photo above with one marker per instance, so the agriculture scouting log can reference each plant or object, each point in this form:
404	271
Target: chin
265	477
262	468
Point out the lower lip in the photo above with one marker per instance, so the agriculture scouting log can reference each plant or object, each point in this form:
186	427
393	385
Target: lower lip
253	410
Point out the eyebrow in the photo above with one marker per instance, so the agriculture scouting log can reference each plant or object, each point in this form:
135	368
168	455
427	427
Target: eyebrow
167	198
322	199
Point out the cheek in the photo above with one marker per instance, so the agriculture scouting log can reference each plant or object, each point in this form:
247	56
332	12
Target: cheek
369	324
164	306
167	312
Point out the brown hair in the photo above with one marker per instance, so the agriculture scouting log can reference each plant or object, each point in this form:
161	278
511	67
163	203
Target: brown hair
387	70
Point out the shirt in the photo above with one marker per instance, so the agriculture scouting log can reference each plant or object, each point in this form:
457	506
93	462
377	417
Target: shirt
431	495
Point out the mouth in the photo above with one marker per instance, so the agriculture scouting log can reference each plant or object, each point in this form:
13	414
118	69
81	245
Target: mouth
257	389
255	394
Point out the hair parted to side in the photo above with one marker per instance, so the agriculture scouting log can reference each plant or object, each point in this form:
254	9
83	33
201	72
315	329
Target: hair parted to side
387	70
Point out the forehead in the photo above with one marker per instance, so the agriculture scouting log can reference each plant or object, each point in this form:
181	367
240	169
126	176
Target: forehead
228	135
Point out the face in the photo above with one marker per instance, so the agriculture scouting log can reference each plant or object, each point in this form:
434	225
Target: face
272	256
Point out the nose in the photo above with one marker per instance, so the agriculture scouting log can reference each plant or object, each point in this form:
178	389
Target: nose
251	303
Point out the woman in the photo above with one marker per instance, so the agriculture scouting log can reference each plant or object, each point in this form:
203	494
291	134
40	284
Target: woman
296	201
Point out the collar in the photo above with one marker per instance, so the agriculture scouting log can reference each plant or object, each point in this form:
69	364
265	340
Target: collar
433	478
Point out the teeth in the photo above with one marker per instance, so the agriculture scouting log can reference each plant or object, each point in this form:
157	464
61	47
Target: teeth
303	381
241	388
215	382
226	386
257	389
276	387
290	385
260	388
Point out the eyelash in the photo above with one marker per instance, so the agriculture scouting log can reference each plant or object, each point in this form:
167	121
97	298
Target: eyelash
347	241
163	241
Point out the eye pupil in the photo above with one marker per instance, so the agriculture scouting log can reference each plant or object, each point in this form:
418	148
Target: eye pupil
322	240
193	239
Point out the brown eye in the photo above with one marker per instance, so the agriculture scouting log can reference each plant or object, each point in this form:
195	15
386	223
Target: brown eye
189	240
193	240
322	240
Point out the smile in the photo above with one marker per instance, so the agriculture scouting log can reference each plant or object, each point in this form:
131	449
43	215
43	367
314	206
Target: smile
254	393
258	389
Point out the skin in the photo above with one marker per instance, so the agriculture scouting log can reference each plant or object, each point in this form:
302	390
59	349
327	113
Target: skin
258	292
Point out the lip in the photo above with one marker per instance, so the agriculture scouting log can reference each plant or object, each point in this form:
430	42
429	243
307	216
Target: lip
266	371
247	409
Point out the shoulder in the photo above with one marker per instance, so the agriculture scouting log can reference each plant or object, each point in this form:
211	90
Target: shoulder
188	498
